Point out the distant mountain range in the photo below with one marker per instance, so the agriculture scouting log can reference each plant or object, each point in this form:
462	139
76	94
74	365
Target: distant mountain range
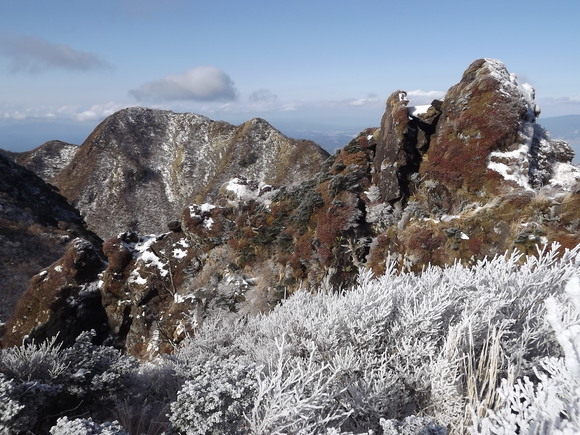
566	128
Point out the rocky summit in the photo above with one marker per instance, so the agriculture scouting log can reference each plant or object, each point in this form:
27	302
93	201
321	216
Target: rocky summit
143	166
467	177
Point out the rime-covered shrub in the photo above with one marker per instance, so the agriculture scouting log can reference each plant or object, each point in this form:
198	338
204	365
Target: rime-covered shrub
412	425
48	380
97	373
296	395
33	362
434	345
9	408
216	398
548	402
86	426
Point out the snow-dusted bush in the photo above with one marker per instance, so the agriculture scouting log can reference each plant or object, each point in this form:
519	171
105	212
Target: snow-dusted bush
85	426
295	395
433	345
33	361
9	408
412	425
216	398
47	380
548	401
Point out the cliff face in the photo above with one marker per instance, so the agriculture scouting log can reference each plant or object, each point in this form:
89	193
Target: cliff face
465	178
142	166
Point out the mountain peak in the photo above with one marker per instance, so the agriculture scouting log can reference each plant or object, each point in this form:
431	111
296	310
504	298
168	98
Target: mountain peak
145	165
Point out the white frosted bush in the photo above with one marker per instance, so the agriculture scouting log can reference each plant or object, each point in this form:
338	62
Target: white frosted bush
215	399
431	345
295	395
551	403
48	380
33	361
85	426
9	408
412	425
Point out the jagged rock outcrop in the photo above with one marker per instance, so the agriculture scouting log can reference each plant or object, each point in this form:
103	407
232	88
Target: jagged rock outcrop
36	224
404	139
465	178
488	177
487	140
142	166
48	159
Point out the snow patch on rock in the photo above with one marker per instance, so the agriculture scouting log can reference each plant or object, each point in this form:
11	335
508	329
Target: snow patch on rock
512	165
143	254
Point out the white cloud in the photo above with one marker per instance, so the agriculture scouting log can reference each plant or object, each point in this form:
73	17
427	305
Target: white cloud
575	99
370	99
98	111
21	114
32	54
263	96
419	96
203	83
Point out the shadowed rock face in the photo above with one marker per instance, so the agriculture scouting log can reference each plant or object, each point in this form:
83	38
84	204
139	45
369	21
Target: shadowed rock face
36	224
466	178
142	166
404	139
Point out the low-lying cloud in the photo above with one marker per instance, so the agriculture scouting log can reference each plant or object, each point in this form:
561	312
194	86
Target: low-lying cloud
98	111
263	96
419	96
203	83
32	54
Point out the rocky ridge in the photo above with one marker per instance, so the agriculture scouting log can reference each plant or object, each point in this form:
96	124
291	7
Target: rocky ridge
465	178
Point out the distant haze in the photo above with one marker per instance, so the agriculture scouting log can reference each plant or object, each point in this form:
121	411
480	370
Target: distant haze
27	134
566	128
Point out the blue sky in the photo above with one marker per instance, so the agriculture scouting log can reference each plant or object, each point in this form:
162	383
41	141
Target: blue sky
302	65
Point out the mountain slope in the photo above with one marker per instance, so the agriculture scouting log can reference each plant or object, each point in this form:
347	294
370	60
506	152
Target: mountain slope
143	166
48	159
36	224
